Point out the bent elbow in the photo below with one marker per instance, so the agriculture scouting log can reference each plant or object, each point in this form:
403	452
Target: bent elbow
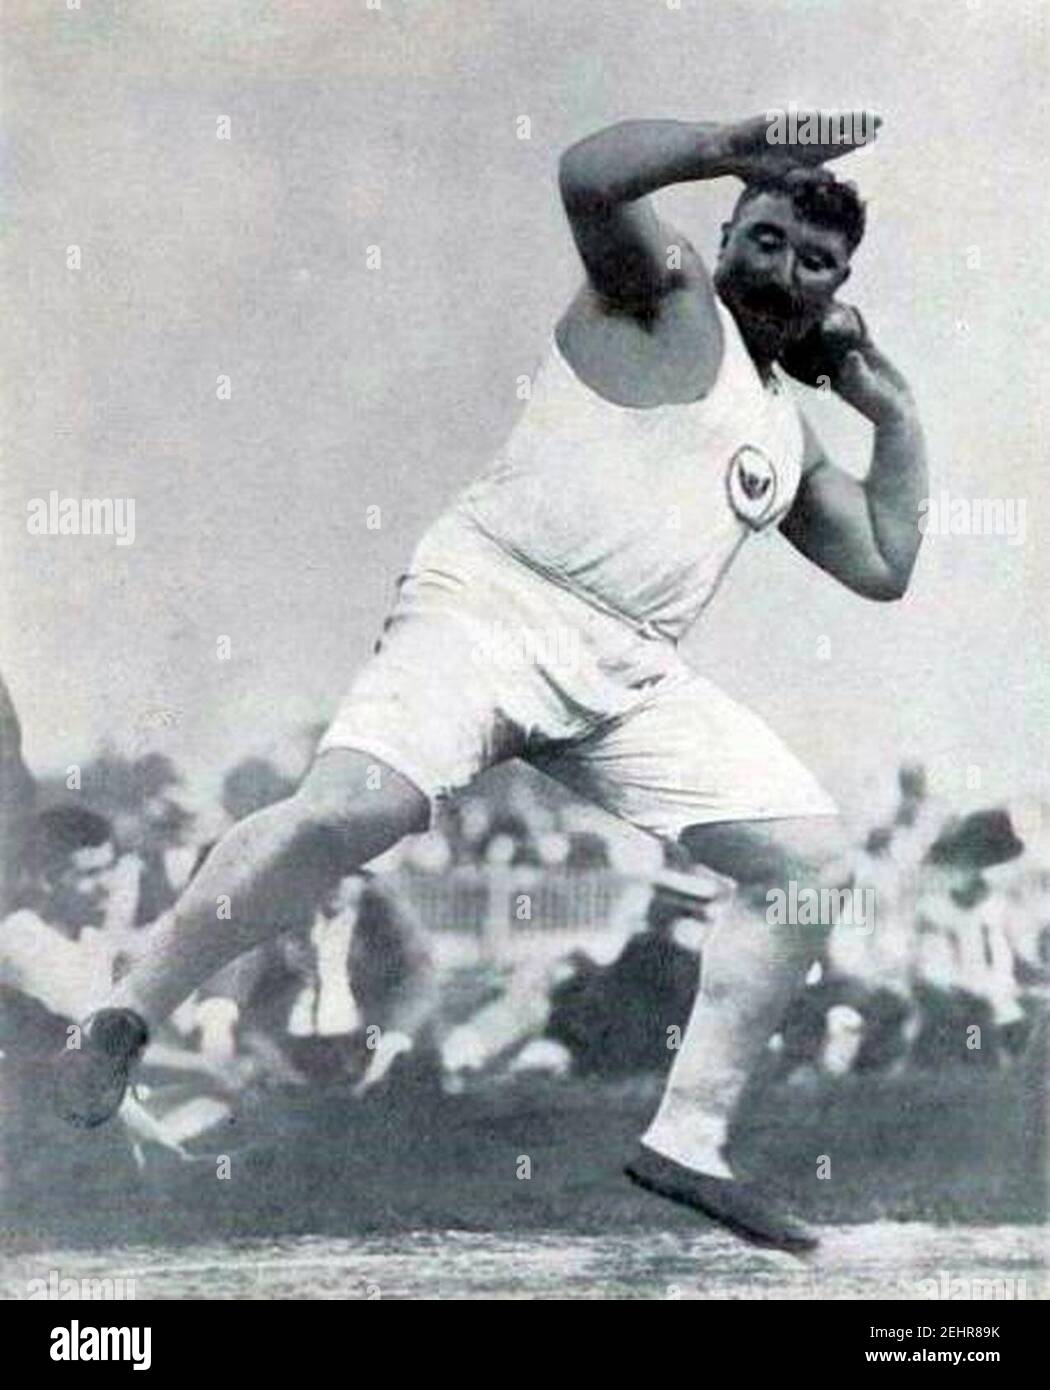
575	183
887	588
589	171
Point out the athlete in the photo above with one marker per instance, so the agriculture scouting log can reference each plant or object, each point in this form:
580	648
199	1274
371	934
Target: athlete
540	616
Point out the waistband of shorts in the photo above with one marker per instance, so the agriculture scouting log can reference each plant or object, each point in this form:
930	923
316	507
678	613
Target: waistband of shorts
498	551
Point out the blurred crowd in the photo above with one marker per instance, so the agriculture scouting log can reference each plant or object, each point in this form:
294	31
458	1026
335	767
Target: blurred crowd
953	970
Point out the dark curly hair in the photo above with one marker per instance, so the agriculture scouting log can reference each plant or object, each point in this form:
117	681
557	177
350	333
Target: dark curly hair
60	831
818	196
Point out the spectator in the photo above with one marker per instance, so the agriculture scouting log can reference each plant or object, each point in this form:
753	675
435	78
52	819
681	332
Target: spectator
17	798
965	981
868	970
53	947
619	1019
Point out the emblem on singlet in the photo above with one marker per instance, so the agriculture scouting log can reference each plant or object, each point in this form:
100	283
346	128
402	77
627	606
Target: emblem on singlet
751	482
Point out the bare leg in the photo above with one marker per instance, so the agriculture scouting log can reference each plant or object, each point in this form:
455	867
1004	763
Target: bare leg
268	874
750	971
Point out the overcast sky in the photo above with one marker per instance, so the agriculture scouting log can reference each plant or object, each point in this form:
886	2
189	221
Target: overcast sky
354	387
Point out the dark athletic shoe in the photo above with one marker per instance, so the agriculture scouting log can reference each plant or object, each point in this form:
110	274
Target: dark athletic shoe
90	1080
739	1206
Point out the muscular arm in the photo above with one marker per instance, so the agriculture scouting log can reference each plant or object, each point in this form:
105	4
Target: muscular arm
605	180
866	533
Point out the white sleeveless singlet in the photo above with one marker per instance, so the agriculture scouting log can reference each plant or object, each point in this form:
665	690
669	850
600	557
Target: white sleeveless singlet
641	510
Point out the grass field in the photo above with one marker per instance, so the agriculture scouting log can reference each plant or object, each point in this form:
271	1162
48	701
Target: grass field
929	1180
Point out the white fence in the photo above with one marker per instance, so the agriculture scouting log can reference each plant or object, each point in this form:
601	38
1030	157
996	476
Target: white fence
501	908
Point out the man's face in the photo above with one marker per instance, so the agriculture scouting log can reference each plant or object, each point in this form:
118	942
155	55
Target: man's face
778	273
81	888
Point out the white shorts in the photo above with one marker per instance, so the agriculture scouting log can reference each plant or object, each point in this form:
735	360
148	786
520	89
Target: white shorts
482	660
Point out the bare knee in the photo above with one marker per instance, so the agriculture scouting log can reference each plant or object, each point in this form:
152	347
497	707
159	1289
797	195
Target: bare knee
763	857
782	872
350	798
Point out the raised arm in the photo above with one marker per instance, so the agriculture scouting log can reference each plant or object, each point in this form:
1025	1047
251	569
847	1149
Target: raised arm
866	532
605	180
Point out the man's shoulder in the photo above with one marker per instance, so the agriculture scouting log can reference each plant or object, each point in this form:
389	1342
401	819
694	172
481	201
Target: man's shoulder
686	326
